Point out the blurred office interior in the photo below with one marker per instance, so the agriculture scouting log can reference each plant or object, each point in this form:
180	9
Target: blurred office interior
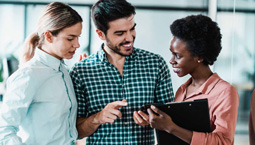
236	18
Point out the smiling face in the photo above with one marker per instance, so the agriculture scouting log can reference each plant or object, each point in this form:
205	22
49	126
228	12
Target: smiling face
120	36
182	61
65	43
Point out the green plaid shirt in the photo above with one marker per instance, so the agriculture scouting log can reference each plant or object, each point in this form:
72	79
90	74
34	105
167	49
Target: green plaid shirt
146	79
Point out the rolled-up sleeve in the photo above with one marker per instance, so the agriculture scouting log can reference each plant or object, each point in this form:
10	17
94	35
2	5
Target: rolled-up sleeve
18	97
224	115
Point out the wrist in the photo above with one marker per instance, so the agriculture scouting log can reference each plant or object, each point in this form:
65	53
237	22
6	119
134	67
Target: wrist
171	128
95	119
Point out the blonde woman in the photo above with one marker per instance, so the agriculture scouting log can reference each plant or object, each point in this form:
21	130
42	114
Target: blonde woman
39	107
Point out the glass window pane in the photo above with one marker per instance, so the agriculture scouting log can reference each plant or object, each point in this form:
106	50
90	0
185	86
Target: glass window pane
33	14
170	3
235	63
11	28
238	4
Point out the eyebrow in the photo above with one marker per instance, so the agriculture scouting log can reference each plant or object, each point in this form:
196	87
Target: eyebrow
174	52
123	30
133	26
72	35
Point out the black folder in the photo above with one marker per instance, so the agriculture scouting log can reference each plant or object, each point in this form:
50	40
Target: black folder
191	115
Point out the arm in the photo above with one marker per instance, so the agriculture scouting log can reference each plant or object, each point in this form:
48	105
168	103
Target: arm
224	118
162	121
87	126
18	97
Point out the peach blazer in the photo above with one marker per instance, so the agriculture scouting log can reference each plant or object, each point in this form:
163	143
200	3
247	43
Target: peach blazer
223	101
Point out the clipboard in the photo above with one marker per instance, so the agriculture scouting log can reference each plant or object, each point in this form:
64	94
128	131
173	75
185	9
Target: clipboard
191	115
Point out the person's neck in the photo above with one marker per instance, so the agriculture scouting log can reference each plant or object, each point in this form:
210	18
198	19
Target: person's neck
201	76
115	59
47	49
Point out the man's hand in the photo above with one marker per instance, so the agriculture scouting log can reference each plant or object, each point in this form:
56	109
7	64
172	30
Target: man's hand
141	118
110	113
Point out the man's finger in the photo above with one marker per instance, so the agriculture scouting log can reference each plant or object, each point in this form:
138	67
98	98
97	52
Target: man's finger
136	121
138	118
109	120
111	116
144	116
115	112
118	104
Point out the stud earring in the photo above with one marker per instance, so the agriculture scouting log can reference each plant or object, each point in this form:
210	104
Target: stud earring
198	61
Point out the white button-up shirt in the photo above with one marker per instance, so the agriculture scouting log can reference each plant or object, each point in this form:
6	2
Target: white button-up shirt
39	106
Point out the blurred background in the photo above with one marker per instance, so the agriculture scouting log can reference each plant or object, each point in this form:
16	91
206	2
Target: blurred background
236	18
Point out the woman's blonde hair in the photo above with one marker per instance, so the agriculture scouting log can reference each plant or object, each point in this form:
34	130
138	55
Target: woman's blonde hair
55	18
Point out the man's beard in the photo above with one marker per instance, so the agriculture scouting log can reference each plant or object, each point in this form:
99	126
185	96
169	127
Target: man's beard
117	49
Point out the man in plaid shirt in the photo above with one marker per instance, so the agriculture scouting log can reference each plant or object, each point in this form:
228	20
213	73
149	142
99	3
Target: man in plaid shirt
113	84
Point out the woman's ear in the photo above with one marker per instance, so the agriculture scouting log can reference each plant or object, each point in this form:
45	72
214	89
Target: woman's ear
198	60
48	36
100	34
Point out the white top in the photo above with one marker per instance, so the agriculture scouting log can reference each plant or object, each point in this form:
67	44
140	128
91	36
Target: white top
40	104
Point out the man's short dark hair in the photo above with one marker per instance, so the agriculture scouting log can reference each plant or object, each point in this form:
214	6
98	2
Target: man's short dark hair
202	36
105	11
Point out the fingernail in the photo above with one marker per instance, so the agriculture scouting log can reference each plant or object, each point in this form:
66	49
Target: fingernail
153	107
